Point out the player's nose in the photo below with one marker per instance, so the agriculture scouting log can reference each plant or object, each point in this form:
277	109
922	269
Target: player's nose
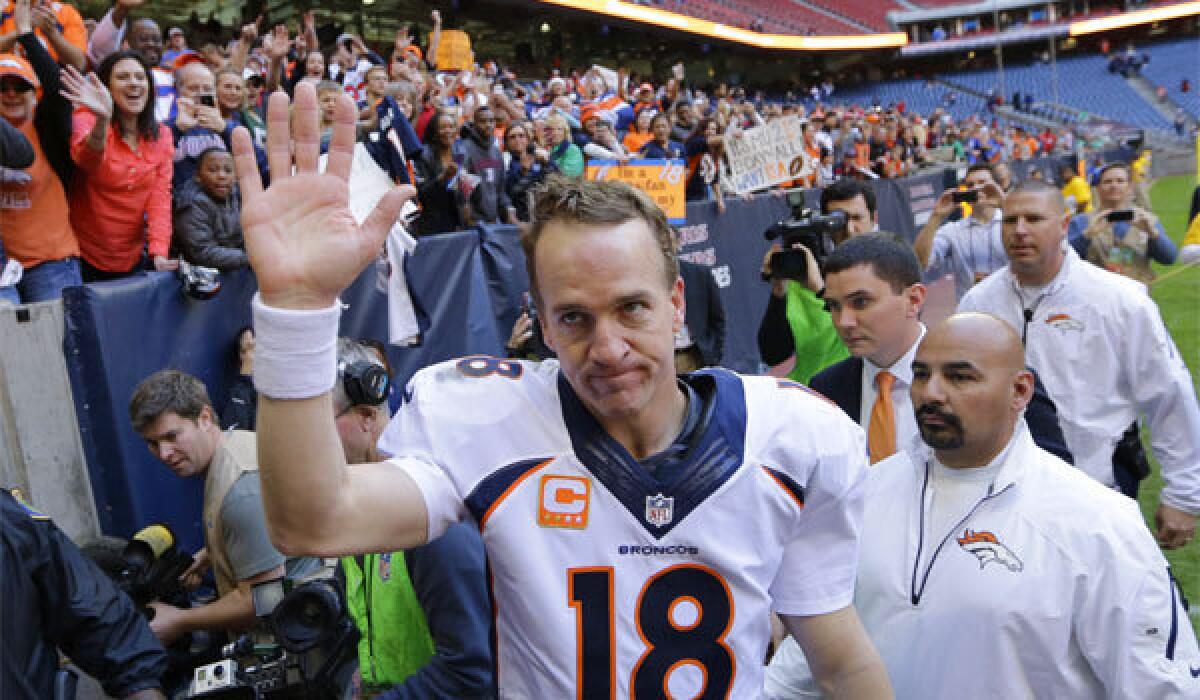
609	345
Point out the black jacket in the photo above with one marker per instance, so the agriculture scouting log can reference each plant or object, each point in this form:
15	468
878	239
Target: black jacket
705	316
52	119
53	597
241	411
209	233
841	383
440	212
15	150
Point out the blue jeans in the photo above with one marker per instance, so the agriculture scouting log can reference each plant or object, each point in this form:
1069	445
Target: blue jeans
8	295
46	281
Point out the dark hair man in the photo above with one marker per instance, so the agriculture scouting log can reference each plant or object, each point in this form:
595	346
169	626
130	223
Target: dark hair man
968	249
171	411
423	614
577	472
990	565
874	295
1125	247
1100	346
55	598
796	323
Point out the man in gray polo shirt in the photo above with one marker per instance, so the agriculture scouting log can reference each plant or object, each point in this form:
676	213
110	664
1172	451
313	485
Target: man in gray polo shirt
970	248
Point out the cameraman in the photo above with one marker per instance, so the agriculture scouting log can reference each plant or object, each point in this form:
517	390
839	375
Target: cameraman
971	248
796	322
171	411
424	613
56	598
1120	236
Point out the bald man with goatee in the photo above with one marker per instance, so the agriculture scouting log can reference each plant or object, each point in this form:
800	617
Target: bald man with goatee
991	568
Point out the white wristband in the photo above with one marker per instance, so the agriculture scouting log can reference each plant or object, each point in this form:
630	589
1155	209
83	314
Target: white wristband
295	352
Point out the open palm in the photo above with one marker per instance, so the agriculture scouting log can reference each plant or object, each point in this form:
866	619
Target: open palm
303	243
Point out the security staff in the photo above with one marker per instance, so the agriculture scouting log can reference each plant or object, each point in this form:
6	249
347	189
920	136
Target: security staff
796	323
54	598
991	568
1099	345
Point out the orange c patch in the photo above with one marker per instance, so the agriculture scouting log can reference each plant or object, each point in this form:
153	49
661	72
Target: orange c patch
564	501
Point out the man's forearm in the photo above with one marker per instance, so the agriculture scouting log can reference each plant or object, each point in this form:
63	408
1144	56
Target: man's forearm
923	245
302	465
234	611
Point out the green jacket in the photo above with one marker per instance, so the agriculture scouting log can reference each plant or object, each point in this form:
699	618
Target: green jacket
395	635
817	342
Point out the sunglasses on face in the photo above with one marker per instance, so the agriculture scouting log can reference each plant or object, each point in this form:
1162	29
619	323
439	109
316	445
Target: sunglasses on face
15	86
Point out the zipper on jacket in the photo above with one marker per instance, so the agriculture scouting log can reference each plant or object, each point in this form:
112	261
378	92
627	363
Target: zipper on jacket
915	592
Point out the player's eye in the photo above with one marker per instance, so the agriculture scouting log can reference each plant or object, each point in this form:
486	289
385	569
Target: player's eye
633	307
570	318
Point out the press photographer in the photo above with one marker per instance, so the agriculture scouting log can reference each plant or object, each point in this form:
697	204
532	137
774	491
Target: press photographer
796	322
172	412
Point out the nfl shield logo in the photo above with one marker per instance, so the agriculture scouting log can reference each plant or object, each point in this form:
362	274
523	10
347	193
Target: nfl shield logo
660	510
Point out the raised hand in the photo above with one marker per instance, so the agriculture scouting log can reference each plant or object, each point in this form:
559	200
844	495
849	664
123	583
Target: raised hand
276	43
303	243
88	93
23	16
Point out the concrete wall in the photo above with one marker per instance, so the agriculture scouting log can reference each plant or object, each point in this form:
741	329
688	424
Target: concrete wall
40	449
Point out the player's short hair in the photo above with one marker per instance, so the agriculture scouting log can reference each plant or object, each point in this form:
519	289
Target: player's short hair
982	167
1031	186
562	199
167	391
350	351
845	189
890	258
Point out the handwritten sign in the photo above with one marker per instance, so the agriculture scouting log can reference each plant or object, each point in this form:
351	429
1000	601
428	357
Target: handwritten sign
663	180
767	155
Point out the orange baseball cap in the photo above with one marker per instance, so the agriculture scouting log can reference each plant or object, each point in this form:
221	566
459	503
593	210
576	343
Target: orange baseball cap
14	65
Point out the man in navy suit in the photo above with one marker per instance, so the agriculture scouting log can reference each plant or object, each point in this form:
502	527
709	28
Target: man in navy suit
874	294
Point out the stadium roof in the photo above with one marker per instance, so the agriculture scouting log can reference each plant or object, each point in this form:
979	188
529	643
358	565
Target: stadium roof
715	30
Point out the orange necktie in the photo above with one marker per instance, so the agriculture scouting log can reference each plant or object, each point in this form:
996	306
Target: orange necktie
881	432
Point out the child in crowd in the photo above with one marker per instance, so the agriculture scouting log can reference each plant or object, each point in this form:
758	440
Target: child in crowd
327	99
208	228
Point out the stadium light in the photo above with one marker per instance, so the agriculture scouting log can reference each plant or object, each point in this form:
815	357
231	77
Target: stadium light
703	27
1130	19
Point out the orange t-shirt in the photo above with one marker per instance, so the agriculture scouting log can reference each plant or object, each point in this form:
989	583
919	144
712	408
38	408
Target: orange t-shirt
634	140
33	210
70	23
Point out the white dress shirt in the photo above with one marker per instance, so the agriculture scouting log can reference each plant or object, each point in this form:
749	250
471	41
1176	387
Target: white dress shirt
902	408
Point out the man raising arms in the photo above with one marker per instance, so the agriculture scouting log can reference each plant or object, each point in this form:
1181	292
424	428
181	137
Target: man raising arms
619	451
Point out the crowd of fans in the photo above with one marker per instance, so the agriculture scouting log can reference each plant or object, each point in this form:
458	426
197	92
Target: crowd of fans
131	128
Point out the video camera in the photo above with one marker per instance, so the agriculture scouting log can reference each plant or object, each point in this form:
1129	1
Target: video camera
150	567
311	652
807	228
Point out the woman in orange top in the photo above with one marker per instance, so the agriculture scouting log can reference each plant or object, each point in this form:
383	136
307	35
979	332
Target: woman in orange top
121	195
639	132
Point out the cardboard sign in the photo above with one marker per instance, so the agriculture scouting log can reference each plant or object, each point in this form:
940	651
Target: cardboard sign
663	180
767	155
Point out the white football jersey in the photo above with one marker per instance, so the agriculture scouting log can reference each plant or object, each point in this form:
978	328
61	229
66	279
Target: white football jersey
606	582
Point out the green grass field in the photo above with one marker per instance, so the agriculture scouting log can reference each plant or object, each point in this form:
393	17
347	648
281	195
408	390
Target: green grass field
1177	297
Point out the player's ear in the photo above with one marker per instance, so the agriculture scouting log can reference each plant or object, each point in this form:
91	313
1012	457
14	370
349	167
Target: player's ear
679	301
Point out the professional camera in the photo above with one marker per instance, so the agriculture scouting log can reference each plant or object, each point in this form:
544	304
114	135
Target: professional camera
310	651
807	228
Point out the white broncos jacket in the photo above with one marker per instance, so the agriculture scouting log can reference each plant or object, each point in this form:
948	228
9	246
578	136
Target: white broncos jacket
1050	587
1100	347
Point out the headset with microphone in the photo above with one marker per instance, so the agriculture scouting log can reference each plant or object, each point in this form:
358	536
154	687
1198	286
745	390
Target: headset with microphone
365	383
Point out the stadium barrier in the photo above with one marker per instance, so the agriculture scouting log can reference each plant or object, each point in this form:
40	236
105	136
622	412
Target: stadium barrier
470	285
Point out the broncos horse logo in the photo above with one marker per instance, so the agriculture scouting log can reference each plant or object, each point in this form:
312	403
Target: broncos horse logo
987	549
